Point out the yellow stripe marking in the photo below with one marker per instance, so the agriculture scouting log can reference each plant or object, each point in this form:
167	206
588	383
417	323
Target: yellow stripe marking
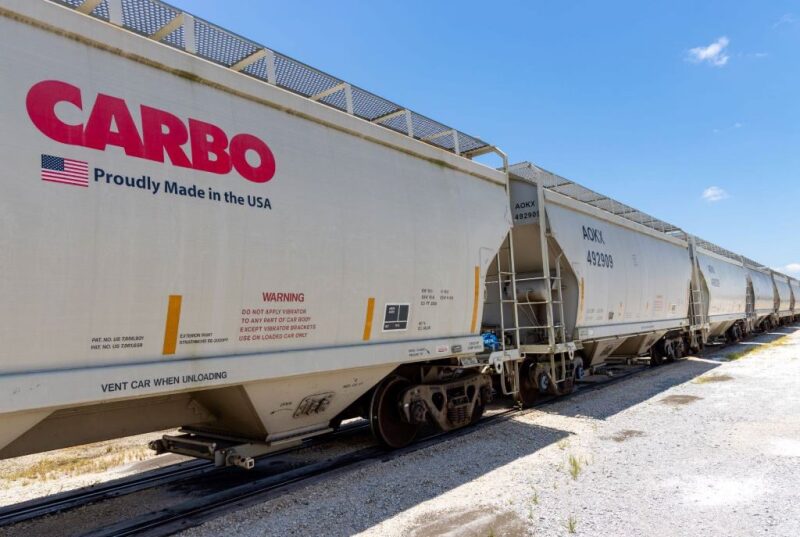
368	319
171	328
474	324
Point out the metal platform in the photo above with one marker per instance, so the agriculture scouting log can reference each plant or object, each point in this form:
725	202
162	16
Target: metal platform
719	250
169	25
573	190
557	348
550	181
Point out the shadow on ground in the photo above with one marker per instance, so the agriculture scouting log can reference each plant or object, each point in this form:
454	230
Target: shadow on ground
648	384
396	487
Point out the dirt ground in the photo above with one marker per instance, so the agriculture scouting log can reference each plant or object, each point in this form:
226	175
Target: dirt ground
702	447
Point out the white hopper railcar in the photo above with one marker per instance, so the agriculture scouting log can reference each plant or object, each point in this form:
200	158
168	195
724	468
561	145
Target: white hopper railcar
794	286
199	231
723	288
783	291
765	296
617	283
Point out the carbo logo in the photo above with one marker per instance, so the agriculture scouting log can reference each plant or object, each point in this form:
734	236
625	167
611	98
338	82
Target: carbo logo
592	234
110	123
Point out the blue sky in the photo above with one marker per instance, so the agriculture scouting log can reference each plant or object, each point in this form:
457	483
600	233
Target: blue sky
653	103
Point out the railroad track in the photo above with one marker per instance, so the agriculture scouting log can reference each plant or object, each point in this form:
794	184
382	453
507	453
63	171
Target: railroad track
73	499
174	473
195	511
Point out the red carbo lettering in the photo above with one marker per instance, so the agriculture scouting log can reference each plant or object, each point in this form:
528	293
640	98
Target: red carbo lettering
271	296
110	122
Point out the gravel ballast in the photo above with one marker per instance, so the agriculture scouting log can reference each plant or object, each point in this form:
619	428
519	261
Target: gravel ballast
700	447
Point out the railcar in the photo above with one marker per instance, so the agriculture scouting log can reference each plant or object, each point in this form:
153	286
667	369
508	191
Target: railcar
765	297
202	232
794	286
783	292
581	281
723	291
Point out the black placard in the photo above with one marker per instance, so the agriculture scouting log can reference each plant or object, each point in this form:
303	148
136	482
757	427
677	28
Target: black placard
395	317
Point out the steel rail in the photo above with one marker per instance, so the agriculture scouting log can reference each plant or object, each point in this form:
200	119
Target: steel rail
173	473
77	498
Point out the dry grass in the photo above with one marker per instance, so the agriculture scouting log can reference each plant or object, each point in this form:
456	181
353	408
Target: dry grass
705	379
627	434
571	524
575	466
77	461
679	399
733	356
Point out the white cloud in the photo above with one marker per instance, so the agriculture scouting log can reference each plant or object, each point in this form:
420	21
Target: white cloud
737	125
713	53
791	268
788	18
714	193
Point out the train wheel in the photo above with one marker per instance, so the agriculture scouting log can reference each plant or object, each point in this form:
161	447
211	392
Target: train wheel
699	346
480	406
529	390
567	387
385	418
670	353
580	369
656	358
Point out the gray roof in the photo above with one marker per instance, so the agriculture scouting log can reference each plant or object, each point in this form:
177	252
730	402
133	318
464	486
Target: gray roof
171	26
571	189
551	181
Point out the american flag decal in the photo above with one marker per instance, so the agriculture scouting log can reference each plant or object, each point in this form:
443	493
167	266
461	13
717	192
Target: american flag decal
65	170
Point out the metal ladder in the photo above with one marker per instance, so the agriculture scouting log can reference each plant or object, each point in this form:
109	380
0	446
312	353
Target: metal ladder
750	309
699	317
544	235
750	303
698	307
555	332
506	275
